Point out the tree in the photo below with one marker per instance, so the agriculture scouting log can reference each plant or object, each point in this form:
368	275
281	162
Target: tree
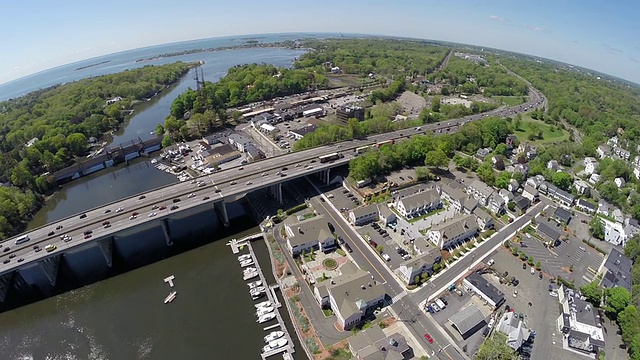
617	299
458	160
486	174
596	228
379	249
592	292
562	180
517	122
495	348
436	158
538	265
511	206
166	141
435	104
629	322
77	143
501	149
503	179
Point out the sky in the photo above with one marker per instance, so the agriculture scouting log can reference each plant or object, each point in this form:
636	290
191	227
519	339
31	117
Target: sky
40	34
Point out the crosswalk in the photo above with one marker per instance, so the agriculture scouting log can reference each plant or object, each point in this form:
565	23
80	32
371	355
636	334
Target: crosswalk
399	296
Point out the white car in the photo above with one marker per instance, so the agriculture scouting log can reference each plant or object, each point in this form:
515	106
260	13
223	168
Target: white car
533	271
201	184
249	183
152	214
191	195
515	293
553	294
132	217
386	257
298	165
119	209
264	174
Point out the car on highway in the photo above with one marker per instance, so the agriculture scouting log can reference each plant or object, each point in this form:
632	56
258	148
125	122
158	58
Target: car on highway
6	249
205	198
142	197
82	216
192	195
106	226
6	261
217	191
155	207
135	213
88	232
174	207
51	233
88	236
249	183
176	200
201	184
20	260
264	174
37	248
50	248
428	338
162	207
152	214
285	168
132	217
59	227
241	168
233	183
119	210
298	165
12	256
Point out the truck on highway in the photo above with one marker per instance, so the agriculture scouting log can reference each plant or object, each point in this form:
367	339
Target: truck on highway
330	157
386	142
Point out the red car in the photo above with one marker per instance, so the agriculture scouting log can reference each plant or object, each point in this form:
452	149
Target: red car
429	338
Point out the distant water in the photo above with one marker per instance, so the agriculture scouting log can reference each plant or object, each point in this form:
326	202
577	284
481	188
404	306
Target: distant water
113	63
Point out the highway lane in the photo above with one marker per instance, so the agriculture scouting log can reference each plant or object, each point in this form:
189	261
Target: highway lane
249	172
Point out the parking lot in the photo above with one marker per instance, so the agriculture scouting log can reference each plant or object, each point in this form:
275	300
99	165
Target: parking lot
543	312
343	199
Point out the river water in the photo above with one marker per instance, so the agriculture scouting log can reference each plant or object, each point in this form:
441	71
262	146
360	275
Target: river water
123	317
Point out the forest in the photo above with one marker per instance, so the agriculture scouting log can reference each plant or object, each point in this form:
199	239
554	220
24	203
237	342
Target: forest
63	118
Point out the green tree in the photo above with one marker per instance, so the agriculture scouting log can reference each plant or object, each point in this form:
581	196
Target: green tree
486	174
562	180
538	265
166	141
436	158
20	176
617	299
511	206
77	143
159	130
435	104
495	348
629	322
596	228
503	179
459	160
501	149
592	292
517	122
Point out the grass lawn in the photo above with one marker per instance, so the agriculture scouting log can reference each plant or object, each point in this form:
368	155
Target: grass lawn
550	134
510	100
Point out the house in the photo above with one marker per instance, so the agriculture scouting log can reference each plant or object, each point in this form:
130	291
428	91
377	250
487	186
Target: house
385	215
522	169
506	195
590	165
498	162
421	202
523	148
530	193
636	171
522	203
344	113
631	227
483	288
560	195
373	344
484	220
113	100
613	232
616	270
214	139
511	141
264	118
613	141
469	204
239	142
496	204
513	185
453	195
580	322
511	325
594	178
549	231
552	165
453	232
618	216
268	129
221	154
301	132
363	215
253	153
603	151
480	191
603	208
562	216
308	234
482	153
585	206
619	182
468	321
422	264
353	296
535	181
580	186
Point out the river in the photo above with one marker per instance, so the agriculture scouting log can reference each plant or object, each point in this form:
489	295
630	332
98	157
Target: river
123	317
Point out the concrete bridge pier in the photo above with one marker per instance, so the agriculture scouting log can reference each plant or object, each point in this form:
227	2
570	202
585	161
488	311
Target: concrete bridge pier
221	208
276	192
6	281
50	267
106	247
167	233
326	176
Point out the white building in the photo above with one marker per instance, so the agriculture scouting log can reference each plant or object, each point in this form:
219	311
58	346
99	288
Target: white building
419	265
453	232
619	182
304	235
594	178
364	215
239	142
636	171
590	165
421	202
603	151
480	191
580	323
580	186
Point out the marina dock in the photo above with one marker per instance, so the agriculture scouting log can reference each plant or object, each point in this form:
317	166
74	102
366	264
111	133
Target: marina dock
271	295
169	280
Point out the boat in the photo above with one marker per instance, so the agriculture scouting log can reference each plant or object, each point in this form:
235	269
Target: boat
170	297
257	296
248	270
263	304
154	161
255	284
244	257
250	275
274	335
246	263
264	310
258	289
266	317
274	345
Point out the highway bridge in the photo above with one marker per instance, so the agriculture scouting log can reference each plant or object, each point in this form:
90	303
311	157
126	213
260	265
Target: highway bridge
157	208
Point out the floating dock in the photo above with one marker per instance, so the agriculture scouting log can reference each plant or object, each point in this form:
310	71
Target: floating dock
169	280
271	295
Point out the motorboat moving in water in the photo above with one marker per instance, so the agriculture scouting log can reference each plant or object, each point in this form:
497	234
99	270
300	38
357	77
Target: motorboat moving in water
274	345
274	335
170	297
266	317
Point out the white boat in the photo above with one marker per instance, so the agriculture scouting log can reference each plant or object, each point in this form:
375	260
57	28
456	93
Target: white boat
244	257
274	335
257	296
255	284
154	161
246	263
266	317
263	304
170	297
248	270
264	310
258	289
250	275
274	345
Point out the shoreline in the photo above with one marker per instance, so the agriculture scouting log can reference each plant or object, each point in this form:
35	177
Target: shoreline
278	45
